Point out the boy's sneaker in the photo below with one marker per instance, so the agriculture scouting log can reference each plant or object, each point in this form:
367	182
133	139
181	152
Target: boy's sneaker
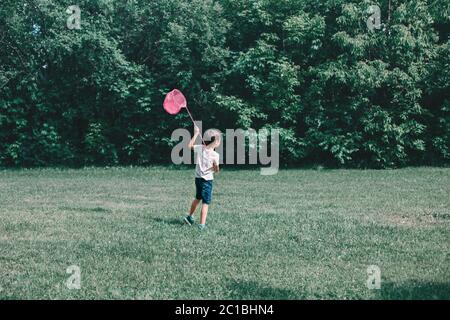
201	227
189	220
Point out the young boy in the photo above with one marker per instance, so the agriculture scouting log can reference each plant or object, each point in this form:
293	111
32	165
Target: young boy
207	163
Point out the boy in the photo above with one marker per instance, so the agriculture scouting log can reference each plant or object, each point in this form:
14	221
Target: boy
207	163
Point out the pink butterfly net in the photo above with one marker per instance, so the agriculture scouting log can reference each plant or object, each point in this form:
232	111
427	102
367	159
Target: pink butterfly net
174	102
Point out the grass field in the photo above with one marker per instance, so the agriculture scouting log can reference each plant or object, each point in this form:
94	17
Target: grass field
301	234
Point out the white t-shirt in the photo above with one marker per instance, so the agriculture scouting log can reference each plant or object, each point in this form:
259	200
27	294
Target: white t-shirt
204	159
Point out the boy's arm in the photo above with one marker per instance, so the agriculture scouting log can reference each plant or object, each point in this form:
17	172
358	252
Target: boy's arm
216	167
192	142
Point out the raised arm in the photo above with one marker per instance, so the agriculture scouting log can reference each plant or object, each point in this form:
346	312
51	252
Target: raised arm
192	142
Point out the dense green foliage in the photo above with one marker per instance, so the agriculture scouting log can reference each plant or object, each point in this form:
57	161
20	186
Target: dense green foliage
341	95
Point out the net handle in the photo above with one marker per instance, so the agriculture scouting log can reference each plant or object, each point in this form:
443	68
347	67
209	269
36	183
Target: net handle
190	115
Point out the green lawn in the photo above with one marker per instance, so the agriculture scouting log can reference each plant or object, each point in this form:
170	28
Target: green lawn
301	234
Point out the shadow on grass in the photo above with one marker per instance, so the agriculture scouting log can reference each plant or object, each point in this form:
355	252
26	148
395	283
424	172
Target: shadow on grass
250	290
411	290
171	221
415	290
96	209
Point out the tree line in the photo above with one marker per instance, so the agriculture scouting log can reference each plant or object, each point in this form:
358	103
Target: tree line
345	87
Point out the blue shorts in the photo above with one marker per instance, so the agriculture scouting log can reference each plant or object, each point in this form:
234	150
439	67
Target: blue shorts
203	190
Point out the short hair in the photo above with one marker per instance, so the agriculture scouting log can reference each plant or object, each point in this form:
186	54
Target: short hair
212	136
213	139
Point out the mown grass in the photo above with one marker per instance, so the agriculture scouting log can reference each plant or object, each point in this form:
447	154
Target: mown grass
301	234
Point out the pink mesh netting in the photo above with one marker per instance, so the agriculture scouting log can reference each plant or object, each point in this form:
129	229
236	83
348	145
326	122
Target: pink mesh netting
174	102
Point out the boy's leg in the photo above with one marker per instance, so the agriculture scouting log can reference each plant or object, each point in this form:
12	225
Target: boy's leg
194	205
189	218
206	196
204	213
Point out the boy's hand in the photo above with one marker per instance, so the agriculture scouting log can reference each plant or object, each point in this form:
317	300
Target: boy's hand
215	167
196	132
